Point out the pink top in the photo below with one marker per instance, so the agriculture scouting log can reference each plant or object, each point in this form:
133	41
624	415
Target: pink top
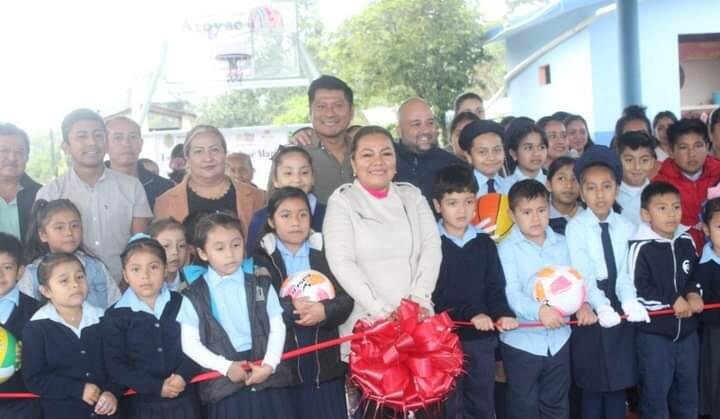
377	193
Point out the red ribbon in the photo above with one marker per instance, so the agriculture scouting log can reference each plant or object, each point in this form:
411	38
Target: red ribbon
406	364
421	366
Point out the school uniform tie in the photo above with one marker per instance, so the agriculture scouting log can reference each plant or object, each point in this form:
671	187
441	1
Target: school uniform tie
609	287
491	185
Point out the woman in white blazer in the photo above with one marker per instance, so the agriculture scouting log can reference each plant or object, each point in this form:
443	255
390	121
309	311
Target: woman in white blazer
382	241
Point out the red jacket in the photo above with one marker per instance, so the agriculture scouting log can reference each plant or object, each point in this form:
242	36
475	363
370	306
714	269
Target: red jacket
692	193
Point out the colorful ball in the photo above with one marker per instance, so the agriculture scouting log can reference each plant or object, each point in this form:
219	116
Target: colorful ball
561	287
496	207
9	355
310	284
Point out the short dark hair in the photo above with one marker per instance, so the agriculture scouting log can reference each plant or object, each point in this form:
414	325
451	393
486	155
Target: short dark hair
656	189
8	130
635	140
213	220
558	164
517	131
527	189
455	178
562	115
79	115
364	132
161	224
177	151
542	122
143	243
663	114
506	120
713	120
687	126
326	82
465	96
711	207
462	117
189	224
50	261
632	113
10	245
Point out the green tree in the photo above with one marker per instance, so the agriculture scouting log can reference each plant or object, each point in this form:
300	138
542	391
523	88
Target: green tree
46	161
247	107
399	48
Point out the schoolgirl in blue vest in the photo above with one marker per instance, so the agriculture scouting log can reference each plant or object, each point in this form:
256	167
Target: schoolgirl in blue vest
56	227
232	322
16	309
62	346
603	356
141	339
291	166
288	247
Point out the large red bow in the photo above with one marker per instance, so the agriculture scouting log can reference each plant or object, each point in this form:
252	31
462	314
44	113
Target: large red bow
406	364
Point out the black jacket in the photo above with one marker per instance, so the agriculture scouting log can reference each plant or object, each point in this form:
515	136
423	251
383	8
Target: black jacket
471	282
337	310
662	270
25	198
420	168
153	184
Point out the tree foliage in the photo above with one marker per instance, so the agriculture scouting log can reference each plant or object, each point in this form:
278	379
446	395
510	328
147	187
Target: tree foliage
248	107
46	161
396	49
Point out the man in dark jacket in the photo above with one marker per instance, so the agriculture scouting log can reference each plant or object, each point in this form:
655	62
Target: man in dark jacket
418	156
124	145
17	189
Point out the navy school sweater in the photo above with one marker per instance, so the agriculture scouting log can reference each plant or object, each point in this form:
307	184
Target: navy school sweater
142	351
708	275
471	282
57	365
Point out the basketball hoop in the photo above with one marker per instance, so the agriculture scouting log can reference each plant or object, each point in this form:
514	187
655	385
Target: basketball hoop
238	62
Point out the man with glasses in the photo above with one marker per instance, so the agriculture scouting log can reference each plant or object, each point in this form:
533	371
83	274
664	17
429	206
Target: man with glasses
17	189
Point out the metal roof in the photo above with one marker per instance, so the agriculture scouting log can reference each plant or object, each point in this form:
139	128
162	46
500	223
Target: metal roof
554	9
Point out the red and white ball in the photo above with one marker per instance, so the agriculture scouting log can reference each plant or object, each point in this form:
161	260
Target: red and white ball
560	287
310	284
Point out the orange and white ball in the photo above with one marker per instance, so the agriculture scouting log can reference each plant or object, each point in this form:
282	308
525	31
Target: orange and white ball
495	207
310	284
561	287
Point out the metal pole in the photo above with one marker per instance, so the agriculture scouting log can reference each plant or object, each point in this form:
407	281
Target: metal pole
629	52
153	84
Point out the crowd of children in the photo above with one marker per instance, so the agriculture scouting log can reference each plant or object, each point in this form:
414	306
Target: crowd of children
639	221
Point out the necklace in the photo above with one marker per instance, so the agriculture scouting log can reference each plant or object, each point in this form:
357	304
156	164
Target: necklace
216	195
